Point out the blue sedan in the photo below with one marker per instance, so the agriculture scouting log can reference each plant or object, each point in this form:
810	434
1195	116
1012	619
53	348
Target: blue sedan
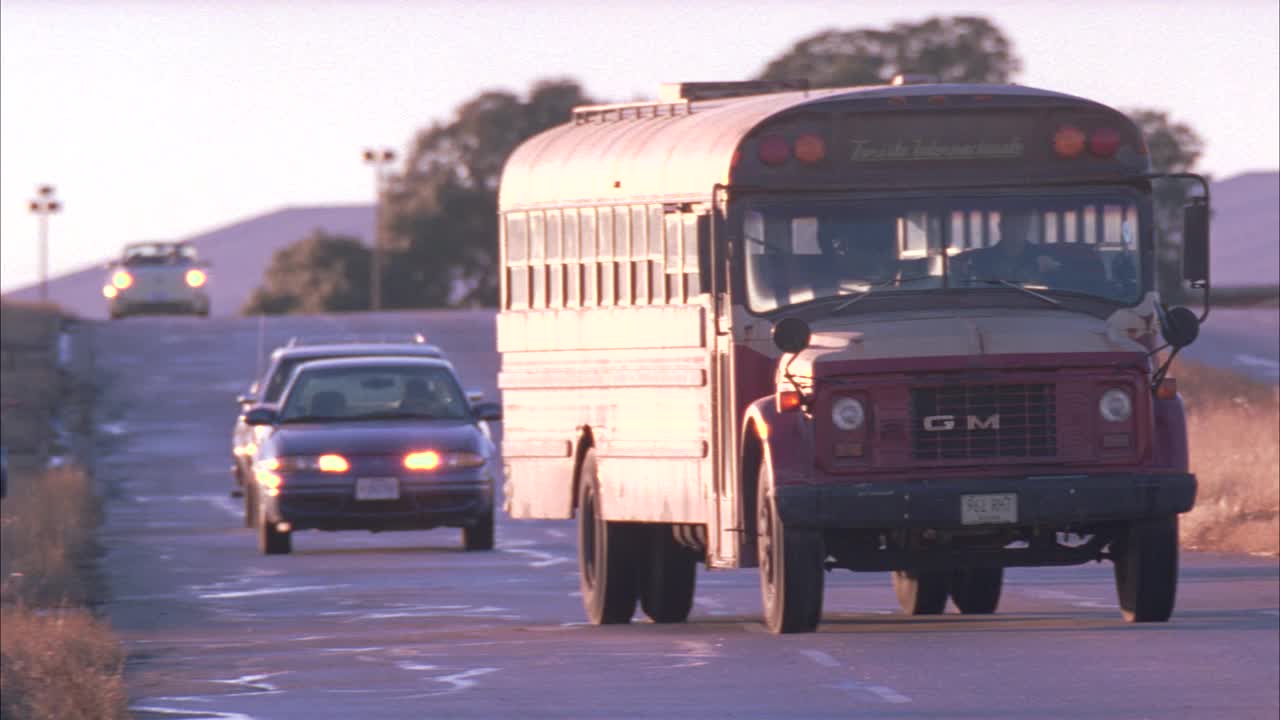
374	443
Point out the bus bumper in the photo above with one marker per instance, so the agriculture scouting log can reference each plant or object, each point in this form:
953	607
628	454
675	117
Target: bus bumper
1057	500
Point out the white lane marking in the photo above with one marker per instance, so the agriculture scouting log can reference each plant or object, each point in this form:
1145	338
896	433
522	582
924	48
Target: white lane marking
557	533
711	605
176	712
1258	362
113	428
1073	600
457	682
821	658
351	650
541	559
886	694
424	611
265	591
1275	613
254	683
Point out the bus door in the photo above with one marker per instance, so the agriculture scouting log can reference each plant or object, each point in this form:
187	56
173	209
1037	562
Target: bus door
726	535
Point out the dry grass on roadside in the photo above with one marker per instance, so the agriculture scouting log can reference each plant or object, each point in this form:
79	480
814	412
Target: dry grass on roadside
58	661
59	665
46	532
1234	428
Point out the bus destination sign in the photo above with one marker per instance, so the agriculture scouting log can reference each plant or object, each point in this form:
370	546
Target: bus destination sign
939	138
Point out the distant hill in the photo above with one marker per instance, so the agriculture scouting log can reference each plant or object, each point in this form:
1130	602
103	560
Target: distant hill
1245	231
240	253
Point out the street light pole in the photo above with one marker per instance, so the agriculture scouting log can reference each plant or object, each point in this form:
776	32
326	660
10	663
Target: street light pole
380	160
43	205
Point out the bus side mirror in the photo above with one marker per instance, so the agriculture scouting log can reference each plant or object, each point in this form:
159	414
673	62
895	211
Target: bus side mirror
791	335
1179	326
1195	242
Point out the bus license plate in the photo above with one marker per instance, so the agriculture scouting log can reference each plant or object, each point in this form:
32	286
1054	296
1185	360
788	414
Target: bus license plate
378	488
993	509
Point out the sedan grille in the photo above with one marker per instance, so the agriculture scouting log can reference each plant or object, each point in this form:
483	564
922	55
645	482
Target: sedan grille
967	422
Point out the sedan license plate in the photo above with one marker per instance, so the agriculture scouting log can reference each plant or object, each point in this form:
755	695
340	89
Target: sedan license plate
376	488
993	509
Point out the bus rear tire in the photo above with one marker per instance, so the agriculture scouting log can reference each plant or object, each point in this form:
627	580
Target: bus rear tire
607	567
668	577
976	591
1146	569
921	592
791	565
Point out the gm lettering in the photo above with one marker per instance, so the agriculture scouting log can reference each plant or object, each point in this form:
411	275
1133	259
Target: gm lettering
942	423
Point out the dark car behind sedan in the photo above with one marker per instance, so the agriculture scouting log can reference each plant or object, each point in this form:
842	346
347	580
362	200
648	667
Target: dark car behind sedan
372	443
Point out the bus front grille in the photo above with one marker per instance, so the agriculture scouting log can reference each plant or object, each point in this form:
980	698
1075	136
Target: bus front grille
969	422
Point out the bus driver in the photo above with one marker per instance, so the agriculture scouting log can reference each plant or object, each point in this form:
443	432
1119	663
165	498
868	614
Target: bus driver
1014	258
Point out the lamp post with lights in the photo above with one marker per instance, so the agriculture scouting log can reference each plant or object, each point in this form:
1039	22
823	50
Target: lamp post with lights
43	205
380	160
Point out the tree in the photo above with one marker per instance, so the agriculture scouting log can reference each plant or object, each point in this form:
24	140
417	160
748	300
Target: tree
956	49
1173	147
319	273
441	213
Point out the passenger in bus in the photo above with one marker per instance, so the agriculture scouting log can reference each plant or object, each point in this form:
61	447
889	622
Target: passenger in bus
1014	257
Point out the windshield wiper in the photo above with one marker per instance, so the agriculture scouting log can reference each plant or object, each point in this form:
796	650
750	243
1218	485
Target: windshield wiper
876	286
1016	286
398	415
311	418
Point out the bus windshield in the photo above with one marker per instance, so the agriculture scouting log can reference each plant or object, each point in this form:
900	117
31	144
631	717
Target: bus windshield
803	250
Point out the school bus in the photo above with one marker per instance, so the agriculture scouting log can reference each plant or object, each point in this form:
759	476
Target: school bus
907	328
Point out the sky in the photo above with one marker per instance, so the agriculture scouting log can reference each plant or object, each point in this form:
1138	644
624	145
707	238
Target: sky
166	119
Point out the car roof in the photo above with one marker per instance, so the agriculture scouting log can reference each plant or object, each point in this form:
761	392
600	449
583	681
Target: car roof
374	361
334	350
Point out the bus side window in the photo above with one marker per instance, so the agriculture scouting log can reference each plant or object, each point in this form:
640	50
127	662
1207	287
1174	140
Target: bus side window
604	251
555	261
657	275
639	257
517	239
622	255
590	276
703	250
674	280
572	260
538	258
694	241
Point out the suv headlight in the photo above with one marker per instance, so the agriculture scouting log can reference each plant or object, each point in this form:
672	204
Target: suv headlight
848	414
1116	405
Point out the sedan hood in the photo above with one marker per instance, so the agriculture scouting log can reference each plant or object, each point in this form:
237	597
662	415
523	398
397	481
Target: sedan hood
377	437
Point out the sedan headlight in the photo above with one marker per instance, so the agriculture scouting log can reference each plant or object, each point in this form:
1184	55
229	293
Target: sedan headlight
848	414
1116	405
329	462
432	460
196	277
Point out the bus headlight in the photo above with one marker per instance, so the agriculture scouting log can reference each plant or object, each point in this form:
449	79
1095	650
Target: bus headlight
848	413
1115	405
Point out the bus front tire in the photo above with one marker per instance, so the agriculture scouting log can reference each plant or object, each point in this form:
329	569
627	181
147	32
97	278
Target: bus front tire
921	592
791	565
1146	569
668	577
976	591
607	565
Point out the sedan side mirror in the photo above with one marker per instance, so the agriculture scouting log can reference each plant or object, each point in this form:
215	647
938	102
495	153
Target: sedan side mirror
245	399
488	411
475	396
260	416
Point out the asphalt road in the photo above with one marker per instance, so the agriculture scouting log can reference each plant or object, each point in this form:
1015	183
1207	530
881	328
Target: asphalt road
1240	339
407	625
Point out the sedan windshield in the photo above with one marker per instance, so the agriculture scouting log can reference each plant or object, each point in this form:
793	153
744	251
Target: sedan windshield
1076	242
372	393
